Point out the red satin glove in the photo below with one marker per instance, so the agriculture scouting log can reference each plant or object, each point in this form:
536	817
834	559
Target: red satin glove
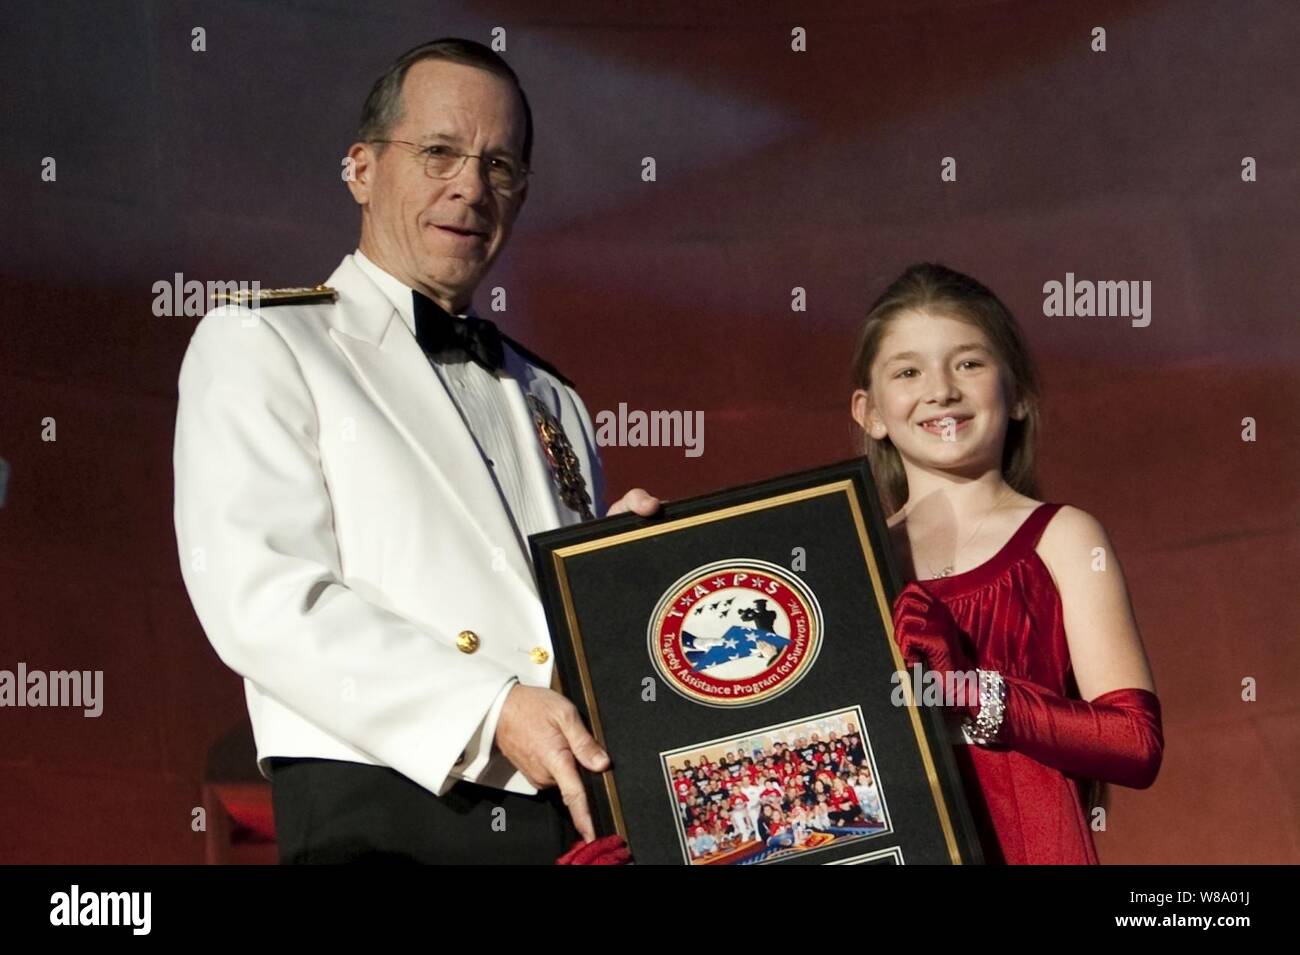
1118	737
927	634
609	850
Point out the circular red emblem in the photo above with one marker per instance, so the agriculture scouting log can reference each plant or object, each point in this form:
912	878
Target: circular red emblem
735	632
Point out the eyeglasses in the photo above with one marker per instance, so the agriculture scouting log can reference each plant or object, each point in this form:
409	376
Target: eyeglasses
505	176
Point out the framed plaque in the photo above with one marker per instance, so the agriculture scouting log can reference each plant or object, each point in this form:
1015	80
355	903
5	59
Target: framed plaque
735	656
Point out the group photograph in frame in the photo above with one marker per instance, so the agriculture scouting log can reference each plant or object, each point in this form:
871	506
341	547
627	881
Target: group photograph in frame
777	792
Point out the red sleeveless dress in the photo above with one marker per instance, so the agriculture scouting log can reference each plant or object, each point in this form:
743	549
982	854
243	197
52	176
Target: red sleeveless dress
1010	609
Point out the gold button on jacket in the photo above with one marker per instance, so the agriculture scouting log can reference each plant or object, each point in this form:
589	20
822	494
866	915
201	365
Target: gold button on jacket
539	655
467	640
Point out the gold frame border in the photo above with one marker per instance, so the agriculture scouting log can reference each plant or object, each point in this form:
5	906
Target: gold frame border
846	487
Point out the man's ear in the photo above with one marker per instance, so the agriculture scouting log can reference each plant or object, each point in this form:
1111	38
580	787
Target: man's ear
359	171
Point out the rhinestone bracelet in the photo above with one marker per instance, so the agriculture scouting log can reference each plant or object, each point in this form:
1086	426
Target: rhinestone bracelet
993	700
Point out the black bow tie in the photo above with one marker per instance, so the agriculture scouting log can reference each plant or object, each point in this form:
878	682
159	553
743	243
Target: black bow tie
437	331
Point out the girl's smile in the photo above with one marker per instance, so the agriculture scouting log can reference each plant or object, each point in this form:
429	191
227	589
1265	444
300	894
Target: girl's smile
948	424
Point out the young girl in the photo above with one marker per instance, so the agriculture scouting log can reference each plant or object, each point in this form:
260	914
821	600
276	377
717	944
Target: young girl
1029	594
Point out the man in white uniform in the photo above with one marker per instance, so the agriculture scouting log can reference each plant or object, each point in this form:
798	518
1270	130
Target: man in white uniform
357	472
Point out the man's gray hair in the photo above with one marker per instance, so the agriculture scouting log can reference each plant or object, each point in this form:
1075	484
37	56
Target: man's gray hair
383	108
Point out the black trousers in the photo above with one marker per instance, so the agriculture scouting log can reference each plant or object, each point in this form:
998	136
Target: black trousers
330	811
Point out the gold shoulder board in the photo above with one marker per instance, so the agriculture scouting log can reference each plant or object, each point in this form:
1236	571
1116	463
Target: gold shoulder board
277	296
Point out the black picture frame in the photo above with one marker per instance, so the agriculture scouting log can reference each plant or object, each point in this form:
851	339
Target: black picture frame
664	660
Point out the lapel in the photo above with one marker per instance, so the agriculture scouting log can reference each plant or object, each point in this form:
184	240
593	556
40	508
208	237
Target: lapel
396	374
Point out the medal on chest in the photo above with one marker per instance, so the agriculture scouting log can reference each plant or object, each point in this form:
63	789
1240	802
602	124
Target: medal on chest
565	469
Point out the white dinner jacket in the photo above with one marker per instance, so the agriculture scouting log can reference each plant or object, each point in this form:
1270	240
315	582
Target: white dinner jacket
338	528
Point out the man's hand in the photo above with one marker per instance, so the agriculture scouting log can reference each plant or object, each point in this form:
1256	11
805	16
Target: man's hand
540	731
541	734
638	500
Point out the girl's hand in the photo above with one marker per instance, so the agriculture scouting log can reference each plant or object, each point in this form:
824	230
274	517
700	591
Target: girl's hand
926	633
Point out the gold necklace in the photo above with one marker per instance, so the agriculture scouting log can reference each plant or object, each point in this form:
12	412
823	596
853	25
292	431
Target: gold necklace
947	571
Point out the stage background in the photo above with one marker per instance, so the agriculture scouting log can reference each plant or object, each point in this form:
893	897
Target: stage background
775	169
